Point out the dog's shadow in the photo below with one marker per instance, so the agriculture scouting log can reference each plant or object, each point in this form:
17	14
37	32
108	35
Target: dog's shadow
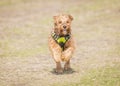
70	71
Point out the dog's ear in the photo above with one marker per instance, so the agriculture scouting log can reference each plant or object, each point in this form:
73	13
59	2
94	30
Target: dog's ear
54	17
70	17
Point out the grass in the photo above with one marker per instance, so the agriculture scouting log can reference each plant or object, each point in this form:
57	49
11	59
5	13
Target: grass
115	51
12	2
105	76
23	52
19	42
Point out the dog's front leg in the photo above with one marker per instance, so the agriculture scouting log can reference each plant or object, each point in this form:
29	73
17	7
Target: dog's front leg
67	54
57	58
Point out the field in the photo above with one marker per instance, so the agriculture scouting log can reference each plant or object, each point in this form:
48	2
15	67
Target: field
25	59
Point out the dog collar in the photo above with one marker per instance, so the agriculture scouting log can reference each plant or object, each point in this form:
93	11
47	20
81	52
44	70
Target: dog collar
61	40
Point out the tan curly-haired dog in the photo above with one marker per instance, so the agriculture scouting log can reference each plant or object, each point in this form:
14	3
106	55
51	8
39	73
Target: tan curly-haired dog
61	42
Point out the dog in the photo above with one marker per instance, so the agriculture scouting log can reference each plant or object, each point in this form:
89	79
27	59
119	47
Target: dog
61	43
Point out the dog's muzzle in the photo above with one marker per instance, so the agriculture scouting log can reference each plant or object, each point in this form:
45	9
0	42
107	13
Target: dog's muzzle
64	31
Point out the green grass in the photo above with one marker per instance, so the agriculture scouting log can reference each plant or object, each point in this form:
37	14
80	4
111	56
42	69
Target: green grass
105	76
108	76
12	2
23	42
24	52
94	6
114	51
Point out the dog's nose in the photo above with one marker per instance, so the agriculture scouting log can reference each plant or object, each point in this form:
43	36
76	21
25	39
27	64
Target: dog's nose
64	26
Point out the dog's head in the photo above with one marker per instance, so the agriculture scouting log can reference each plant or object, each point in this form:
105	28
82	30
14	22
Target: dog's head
62	24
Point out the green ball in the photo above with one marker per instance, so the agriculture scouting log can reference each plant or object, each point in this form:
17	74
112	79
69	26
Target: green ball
61	40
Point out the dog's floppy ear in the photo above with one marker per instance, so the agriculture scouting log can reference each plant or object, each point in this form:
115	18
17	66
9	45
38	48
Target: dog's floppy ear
70	17
54	17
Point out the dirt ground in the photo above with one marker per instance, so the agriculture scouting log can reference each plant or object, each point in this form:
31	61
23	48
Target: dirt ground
25	25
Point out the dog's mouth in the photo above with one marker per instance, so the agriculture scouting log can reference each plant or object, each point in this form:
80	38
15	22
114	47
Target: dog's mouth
64	32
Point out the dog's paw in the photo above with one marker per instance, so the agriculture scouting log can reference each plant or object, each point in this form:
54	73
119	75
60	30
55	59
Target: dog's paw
67	68
59	71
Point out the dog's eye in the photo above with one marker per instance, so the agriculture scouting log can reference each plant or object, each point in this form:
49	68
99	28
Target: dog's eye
60	22
68	22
